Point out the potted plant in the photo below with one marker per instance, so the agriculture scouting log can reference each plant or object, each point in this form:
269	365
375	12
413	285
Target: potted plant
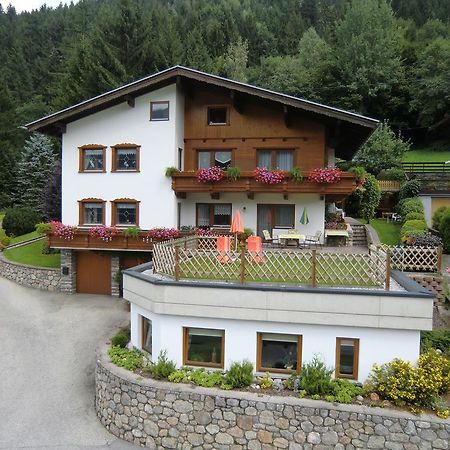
211	175
295	175
171	171
266	176
161	234
103	233
327	175
61	231
233	173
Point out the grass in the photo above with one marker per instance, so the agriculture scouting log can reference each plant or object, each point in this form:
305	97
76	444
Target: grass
295	269
25	237
426	155
389	233
31	254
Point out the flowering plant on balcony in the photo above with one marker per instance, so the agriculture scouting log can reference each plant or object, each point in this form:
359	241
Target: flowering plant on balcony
103	232
327	175
204	232
62	231
162	234
210	175
266	176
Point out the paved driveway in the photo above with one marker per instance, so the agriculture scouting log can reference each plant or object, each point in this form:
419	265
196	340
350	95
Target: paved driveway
47	361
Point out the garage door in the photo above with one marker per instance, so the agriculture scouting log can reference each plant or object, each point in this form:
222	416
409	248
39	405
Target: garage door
436	202
93	273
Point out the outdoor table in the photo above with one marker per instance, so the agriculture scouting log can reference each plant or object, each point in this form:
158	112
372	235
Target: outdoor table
342	233
387	216
298	238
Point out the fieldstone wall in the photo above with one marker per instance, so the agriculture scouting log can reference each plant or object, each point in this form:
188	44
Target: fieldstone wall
68	271
159	414
36	277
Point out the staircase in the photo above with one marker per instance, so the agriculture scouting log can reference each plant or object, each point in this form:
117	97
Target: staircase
359	235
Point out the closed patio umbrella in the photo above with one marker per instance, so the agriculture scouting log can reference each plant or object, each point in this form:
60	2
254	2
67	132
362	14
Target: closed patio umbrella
237	225
304	219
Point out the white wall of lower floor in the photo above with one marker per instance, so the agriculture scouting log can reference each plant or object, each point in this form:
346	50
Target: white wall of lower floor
376	345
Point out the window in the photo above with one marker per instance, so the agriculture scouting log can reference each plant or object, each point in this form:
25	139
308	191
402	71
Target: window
203	347
125	158
210	158
159	110
146	336
275	216
278	352
92	158
213	214
92	211
347	357
180	158
217	115
276	159
125	212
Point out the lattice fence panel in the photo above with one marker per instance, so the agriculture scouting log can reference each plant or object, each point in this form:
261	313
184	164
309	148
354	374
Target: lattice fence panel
209	265
414	259
341	269
280	266
378	265
207	243
164	259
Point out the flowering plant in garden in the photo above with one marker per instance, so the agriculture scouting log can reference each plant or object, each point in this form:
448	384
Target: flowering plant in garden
162	234
266	176
204	232
210	175
62	231
327	175
103	232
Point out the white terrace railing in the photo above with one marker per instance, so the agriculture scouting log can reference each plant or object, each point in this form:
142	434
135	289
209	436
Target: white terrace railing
196	257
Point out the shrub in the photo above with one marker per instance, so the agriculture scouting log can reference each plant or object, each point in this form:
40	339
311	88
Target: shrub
129	359
394	174
410	189
413	228
240	374
265	382
438	216
437	339
409	205
131	232
414	216
163	366
4	240
315	377
444	230
370	198
18	221
206	379
43	228
179	376
345	391
426	240
170	171
360	174
120	339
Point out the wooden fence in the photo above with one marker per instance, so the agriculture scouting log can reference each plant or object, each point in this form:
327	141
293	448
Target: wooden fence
389	185
196	258
426	167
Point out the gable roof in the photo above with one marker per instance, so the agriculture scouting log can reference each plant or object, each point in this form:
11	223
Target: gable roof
53	124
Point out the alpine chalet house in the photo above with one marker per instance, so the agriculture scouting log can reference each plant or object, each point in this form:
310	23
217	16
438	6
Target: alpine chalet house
276	308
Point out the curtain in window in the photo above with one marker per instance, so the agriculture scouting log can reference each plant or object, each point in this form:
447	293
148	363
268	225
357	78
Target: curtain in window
284	216
204	160
93	213
126	213
222	215
126	158
203	215
265	158
285	160
93	159
223	159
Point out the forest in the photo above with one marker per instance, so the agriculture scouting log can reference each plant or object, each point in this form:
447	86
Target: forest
386	59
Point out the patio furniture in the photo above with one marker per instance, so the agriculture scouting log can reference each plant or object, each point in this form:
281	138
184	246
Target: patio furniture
387	215
315	240
254	247
291	236
336	233
223	245
268	239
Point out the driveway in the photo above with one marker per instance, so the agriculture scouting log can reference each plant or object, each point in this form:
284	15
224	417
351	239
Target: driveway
47	344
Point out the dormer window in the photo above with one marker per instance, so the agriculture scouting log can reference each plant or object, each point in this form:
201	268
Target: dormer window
125	158
217	115
159	111
92	158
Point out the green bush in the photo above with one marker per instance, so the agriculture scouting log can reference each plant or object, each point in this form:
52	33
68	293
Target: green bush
240	374
414	216
206	379
409	205
43	227
315	377
121	339
296	175
129	359
414	224
4	240
410	189
233	173
438	216
163	366
345	391
131	232
444	230
179	376
394	174
18	221
438	339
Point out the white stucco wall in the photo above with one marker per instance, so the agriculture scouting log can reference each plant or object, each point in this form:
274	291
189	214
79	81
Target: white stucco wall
376	345
159	141
426	202
248	208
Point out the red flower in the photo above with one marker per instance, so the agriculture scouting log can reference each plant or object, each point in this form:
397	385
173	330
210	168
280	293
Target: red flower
328	175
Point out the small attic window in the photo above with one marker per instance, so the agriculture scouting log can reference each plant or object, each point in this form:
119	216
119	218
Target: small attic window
159	111
217	115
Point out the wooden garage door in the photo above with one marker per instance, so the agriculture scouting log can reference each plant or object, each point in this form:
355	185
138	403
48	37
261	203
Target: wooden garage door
436	202
93	273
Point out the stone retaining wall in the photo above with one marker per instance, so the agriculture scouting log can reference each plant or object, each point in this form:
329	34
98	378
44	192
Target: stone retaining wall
431	282
36	277
158	414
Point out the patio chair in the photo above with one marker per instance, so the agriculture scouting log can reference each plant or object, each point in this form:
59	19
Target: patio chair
313	240
268	239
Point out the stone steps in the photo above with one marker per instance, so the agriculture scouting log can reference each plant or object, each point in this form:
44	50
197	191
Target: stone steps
359	235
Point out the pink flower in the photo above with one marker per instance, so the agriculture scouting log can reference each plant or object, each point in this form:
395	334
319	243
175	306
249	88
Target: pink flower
210	175
327	175
447	269
62	231
162	234
266	176
103	232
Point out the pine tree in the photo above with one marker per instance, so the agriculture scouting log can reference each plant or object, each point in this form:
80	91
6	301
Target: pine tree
35	168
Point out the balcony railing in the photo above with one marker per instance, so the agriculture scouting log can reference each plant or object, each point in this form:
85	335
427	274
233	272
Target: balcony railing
426	166
184	182
389	185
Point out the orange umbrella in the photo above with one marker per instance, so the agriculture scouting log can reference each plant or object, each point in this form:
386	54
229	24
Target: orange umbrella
237	225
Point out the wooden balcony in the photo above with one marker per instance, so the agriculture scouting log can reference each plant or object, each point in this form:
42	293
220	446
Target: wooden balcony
185	182
82	240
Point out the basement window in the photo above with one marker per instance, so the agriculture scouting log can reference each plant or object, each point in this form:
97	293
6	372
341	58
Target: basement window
203	347
279	352
347	358
146	343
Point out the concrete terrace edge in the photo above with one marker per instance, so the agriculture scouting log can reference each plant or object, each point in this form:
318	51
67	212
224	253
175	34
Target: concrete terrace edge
142	410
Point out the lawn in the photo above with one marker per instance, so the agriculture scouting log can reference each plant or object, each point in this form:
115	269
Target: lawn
31	254
388	232
24	237
426	155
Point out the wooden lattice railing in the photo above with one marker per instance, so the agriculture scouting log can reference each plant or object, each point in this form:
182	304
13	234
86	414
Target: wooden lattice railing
415	259
196	257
